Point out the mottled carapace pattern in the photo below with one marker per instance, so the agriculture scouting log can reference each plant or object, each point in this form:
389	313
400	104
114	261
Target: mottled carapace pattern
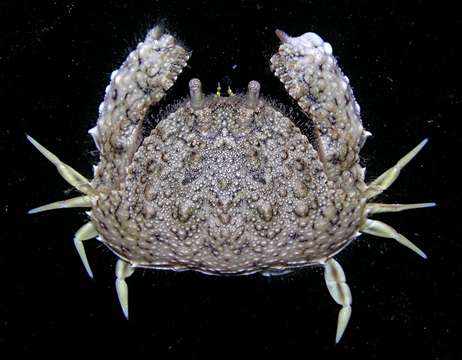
228	187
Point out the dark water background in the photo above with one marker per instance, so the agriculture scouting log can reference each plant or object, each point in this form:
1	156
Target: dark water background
403	62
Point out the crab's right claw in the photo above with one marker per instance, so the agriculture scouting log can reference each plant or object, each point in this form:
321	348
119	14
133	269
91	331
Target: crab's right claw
140	82
311	75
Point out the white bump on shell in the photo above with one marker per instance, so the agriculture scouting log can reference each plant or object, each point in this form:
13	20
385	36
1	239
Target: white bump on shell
118	79
315	39
327	48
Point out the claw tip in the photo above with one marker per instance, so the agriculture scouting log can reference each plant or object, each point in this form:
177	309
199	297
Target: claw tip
282	35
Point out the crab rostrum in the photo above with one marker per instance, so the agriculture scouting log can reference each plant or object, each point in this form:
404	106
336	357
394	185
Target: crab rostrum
230	185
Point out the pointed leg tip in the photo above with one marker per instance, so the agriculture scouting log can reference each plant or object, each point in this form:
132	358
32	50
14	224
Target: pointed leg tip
417	251
338	336
406	242
83	256
125	311
420	146
423	255
89	271
39	209
122	289
33	141
90	274
343	319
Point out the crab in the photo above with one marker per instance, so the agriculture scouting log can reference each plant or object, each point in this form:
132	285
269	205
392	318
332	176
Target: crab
229	185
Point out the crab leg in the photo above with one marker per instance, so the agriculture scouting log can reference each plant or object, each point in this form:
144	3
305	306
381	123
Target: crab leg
86	232
340	292
376	208
68	173
311	75
80	201
385	180
378	228
123	271
142	80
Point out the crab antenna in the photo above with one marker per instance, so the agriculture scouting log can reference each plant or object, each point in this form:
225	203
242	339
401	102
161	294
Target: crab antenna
253	93
195	91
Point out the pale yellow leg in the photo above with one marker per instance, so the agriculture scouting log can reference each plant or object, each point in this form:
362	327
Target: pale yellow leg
68	173
376	208
123	271
80	201
86	232
384	181
378	228
340	292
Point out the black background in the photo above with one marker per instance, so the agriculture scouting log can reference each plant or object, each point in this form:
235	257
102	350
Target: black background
402	60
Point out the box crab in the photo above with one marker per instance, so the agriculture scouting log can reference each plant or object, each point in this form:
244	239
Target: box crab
229	185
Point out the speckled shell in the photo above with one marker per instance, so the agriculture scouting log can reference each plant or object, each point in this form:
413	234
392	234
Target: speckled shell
228	186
